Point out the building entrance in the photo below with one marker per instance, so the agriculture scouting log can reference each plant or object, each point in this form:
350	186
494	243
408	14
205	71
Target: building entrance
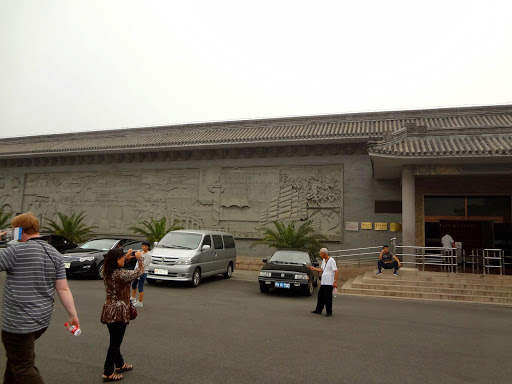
478	222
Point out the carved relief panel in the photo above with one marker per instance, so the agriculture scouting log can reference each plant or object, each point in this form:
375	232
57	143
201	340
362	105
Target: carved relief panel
11	193
238	200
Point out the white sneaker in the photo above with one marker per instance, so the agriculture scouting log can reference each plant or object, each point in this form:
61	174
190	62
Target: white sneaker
138	304
133	300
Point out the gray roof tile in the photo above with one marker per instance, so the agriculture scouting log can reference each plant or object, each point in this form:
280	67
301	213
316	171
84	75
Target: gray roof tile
461	145
301	129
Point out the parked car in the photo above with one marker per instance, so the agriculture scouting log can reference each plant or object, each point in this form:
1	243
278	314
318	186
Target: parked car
60	243
88	257
289	269
190	255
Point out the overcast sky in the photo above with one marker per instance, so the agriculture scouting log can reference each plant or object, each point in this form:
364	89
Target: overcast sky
69	66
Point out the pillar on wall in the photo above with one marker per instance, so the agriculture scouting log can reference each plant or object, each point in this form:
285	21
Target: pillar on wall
408	215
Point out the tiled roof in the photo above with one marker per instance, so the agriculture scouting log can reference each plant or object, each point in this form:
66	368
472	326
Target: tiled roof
461	145
339	128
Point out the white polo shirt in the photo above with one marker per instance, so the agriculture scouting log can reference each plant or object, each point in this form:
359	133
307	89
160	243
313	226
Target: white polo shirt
329	270
447	241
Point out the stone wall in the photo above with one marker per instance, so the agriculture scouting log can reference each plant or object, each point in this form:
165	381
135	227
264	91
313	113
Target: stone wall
236	195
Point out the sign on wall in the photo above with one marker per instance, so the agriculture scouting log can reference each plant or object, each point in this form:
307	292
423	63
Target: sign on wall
395	227
366	225
352	226
381	226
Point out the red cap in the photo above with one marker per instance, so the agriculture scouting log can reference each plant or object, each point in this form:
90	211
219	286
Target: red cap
66	324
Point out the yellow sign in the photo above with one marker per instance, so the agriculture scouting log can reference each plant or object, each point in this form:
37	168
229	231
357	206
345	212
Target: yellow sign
381	226
366	225
395	227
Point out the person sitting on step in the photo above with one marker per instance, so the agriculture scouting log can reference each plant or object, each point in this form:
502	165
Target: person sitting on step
388	260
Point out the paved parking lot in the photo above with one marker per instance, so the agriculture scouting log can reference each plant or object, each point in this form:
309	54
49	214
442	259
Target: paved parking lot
226	331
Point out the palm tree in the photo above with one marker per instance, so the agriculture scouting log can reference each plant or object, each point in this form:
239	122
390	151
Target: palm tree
287	236
4	218
71	227
154	230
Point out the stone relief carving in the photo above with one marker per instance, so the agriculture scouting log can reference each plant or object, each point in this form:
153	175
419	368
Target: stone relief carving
11	193
238	200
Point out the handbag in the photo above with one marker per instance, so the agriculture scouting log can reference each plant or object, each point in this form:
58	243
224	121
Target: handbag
133	312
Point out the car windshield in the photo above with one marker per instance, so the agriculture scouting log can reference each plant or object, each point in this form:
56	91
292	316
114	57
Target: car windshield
290	257
180	240
99	244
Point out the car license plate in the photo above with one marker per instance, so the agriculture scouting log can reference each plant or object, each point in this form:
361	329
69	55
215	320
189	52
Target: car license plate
282	285
67	265
161	271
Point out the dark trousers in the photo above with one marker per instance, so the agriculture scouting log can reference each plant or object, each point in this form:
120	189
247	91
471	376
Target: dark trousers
393	264
114	358
324	299
20	366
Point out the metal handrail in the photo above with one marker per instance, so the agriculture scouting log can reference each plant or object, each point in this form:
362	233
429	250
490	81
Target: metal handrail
488	255
356	249
446	258
346	259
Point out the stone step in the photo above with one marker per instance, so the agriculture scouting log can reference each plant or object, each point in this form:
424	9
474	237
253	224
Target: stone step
478	284
464	278
348	289
375	284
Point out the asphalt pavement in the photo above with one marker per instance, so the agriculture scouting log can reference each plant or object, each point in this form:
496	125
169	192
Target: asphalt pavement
226	331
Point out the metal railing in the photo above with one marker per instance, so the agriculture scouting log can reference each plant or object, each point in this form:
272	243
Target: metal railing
357	256
446	258
476	258
493	258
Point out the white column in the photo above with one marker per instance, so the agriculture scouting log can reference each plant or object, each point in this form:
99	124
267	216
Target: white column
408	214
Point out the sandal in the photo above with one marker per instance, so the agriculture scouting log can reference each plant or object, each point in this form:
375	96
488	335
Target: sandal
125	367
113	377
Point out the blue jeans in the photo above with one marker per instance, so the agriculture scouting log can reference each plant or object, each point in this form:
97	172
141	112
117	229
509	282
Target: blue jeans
139	282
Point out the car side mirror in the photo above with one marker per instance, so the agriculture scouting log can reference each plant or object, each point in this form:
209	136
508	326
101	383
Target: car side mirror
205	247
316	264
265	261
155	244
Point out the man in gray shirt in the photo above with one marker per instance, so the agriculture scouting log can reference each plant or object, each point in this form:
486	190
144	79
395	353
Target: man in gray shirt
35	271
388	260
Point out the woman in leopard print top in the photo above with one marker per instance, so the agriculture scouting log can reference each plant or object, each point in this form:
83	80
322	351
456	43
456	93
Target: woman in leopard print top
116	309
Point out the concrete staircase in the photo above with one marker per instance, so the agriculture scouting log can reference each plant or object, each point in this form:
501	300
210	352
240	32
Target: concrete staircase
489	289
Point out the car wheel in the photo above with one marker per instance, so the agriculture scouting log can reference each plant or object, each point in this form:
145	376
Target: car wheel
99	271
196	277
263	289
309	289
229	271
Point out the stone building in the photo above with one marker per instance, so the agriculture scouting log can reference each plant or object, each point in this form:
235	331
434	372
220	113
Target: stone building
361	178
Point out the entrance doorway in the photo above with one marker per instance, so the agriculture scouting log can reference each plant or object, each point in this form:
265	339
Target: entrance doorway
478	222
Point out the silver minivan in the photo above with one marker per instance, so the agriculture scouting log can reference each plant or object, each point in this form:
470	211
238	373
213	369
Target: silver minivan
190	255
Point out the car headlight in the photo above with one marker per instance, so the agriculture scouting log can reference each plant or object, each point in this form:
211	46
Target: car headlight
88	258
301	277
183	261
265	274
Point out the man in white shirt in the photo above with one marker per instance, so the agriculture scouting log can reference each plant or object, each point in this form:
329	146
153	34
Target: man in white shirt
329	271
448	241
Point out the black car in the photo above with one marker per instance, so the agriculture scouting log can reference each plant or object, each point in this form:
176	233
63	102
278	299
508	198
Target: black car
289	269
60	243
88	257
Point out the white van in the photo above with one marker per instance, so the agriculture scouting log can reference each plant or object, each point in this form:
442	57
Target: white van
190	255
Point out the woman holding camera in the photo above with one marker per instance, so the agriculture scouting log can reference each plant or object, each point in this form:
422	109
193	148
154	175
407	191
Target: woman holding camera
116	310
